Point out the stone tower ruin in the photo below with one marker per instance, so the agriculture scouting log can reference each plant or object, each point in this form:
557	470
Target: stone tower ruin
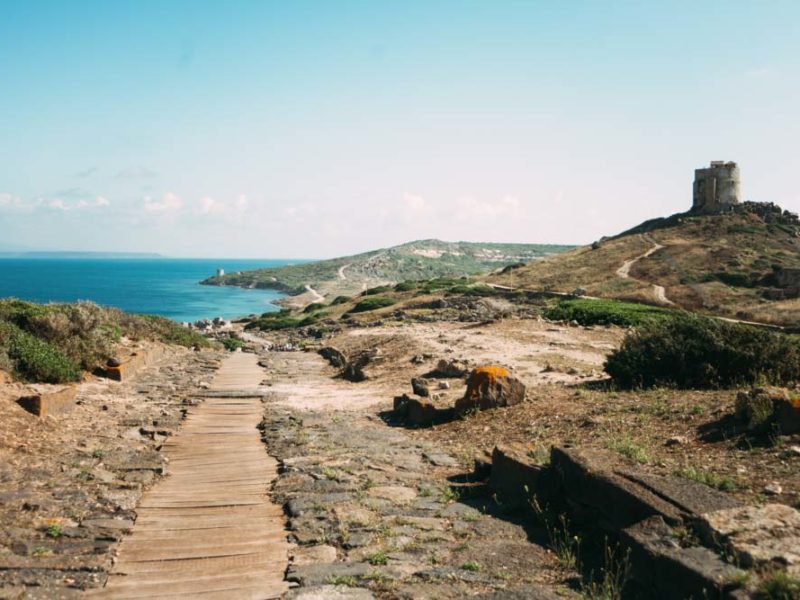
716	188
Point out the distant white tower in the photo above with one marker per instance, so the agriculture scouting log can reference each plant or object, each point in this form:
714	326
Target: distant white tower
220	272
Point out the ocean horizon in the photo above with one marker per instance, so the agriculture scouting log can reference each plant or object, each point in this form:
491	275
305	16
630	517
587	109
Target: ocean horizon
164	286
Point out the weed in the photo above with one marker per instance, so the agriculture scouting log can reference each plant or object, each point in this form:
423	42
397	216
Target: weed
347	580
613	576
471	565
54	531
778	585
725	483
379	558
449	494
630	449
565	545
98	453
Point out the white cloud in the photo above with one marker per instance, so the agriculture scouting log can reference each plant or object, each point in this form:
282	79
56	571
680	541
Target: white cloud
169	203
60	204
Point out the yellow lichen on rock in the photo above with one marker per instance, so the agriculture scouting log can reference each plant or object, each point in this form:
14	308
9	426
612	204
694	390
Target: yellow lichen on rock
483	376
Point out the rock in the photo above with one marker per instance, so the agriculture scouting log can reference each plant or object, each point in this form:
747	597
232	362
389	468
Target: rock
525	592
763	407
490	387
444	385
787	415
334	356
450	368
113	362
310	555
4	377
329	592
424	413
773	489
757	535
54	402
440	459
515	476
394	493
622	497
677	440
662	569
354	370
420	387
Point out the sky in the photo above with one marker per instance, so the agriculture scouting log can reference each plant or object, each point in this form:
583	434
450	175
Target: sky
322	128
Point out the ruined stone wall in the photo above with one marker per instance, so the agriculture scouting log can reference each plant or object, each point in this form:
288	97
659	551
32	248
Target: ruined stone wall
716	188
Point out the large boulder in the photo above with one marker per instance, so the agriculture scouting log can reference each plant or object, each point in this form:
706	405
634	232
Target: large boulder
490	387
354	369
764	409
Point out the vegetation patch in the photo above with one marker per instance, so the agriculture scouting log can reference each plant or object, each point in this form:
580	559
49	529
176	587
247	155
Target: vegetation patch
698	352
52	343
372	303
231	343
607	312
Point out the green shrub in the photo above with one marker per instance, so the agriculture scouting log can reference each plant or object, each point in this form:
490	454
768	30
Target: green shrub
406	286
779	585
340	300
442	283
36	360
606	312
472	290
313	307
698	352
372	303
381	289
231	344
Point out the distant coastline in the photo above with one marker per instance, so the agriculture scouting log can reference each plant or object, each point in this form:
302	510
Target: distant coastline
103	255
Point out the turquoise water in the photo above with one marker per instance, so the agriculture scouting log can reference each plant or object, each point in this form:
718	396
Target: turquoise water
162	286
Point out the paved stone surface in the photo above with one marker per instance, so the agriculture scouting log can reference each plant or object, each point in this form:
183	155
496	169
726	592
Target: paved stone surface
209	530
371	494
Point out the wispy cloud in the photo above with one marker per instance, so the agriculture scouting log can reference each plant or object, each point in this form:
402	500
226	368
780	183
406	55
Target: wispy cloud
86	173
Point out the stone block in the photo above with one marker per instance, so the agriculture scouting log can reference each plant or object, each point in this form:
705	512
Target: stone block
787	415
121	369
661	568
423	413
54	403
756	535
588	478
515	477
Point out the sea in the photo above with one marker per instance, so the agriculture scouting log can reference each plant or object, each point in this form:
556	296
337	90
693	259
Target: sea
163	286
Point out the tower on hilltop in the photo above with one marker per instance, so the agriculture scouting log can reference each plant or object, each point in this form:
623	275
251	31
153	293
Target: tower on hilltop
716	187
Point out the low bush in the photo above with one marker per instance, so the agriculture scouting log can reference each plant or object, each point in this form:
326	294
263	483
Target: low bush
231	344
34	359
372	303
313	307
607	312
472	290
698	352
406	286
340	300
442	283
282	320
52	342
381	289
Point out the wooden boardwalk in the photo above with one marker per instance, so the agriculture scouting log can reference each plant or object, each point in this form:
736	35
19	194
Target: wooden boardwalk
208	530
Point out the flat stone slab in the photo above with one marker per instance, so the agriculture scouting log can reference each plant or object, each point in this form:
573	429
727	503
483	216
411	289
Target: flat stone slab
330	592
393	493
757	534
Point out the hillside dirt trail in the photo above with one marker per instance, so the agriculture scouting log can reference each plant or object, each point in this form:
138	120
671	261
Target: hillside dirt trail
317	296
209	530
624	271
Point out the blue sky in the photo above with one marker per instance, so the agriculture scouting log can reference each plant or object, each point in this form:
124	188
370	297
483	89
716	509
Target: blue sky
303	128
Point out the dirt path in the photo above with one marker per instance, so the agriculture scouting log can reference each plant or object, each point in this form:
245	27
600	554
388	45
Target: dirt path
625	269
317	296
341	271
209	530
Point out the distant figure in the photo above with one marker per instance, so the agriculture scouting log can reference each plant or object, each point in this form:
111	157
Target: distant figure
716	188
220	272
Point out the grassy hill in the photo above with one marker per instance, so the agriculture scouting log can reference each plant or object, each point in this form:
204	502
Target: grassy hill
721	264
349	275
